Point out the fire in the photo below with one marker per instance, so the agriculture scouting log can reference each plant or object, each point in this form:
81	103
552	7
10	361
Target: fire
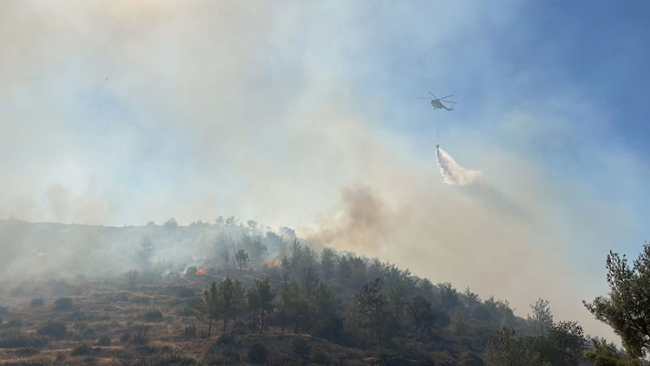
201	272
275	263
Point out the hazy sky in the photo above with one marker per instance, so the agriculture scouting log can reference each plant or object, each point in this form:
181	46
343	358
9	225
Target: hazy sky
307	115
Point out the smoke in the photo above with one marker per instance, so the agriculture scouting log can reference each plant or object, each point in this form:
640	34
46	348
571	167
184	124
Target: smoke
358	223
151	110
452	173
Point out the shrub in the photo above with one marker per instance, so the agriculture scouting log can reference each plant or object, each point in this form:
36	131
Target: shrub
257	354
140	334
21	340
189	331
125	338
37	302
56	330
320	356
27	351
63	303
104	340
176	358
392	359
153	316
470	359
231	357
140	300
80	326
15	323
227	340
82	349
185	292
301	349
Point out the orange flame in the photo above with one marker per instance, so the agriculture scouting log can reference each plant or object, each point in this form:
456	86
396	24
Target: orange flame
201	272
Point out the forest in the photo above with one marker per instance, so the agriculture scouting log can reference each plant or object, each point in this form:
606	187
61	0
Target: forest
255	296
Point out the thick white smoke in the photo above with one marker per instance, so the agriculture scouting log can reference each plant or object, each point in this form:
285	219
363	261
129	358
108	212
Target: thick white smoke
452	173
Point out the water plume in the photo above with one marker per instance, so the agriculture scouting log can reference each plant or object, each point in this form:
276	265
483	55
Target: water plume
452	173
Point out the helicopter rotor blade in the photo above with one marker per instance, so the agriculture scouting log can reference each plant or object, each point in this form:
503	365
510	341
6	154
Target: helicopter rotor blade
433	95
450	95
449	101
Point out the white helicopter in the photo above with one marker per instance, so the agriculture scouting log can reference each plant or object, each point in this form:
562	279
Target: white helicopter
437	102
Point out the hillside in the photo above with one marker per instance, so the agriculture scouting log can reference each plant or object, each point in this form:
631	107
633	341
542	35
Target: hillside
223	294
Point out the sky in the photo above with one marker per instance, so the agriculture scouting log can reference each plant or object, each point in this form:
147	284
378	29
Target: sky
308	115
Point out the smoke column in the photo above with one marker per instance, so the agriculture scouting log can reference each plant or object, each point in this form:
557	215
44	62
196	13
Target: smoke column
452	173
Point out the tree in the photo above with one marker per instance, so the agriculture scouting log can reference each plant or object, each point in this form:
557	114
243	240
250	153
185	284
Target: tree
542	318
287	293
242	258
207	307
327	263
397	296
470	359
256	249
506	350
299	311
309	281
297	255
224	254
238	299
448	295
266	296
626	308
419	311
606	354
146	252
226	301
562	346
253	302
132	278
371	306
171	224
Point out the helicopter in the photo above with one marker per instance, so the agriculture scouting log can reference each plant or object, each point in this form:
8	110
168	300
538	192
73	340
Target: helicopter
437	102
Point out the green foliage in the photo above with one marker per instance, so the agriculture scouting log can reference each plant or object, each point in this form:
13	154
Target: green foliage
328	263
56	330
606	354
104	340
542	318
82	349
15	339
319	356
448	296
227	340
506	349
392	359
370	309
63	303
242	258
184	291
300	349
153	316
265	295
189	331
257	354
470	359
14	323
140	334
626	308
419	311
562	346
